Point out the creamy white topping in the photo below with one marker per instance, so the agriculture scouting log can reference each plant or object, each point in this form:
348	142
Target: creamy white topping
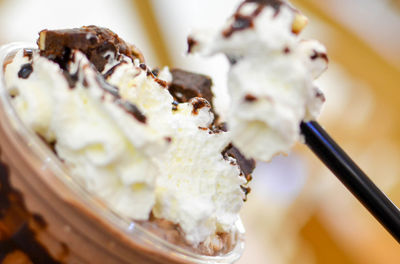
270	80
104	146
196	187
170	165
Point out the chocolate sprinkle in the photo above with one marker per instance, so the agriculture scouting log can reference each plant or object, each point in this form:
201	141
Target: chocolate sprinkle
25	71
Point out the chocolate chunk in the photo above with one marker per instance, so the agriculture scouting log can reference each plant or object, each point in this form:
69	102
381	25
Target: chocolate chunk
186	85
112	69
246	165
25	71
93	41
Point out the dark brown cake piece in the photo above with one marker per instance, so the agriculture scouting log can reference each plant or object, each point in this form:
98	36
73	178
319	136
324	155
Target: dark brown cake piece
186	85
94	41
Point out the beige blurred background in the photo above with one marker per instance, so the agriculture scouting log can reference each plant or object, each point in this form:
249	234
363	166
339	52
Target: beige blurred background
297	212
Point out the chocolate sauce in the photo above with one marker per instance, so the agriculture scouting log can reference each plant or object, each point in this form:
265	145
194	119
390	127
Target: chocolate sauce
133	110
20	234
319	55
108	87
143	66
112	69
25	71
242	22
286	50
191	43
246	190
250	98
275	4
72	79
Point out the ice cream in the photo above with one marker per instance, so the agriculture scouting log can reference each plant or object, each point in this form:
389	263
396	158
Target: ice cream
129	134
271	76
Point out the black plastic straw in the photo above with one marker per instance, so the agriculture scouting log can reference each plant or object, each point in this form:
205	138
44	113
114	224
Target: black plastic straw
378	204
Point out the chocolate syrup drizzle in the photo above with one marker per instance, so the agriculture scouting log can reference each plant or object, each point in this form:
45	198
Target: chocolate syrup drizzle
242	22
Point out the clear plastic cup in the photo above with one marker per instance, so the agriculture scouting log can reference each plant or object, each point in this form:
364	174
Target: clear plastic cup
48	217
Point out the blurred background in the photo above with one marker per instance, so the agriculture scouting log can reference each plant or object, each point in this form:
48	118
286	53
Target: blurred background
297	212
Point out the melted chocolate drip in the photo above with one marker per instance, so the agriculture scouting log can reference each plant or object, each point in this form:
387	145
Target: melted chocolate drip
319	55
108	87
72	79
242	22
20	233
133	110
155	72
275	4
112	69
250	98
191	43
25	71
246	190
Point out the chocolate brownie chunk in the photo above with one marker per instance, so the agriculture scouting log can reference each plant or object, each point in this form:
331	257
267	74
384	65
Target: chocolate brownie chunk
186	85
94	41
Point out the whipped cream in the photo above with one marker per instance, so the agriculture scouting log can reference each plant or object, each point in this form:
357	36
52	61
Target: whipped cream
103	144
122	135
196	187
271	76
